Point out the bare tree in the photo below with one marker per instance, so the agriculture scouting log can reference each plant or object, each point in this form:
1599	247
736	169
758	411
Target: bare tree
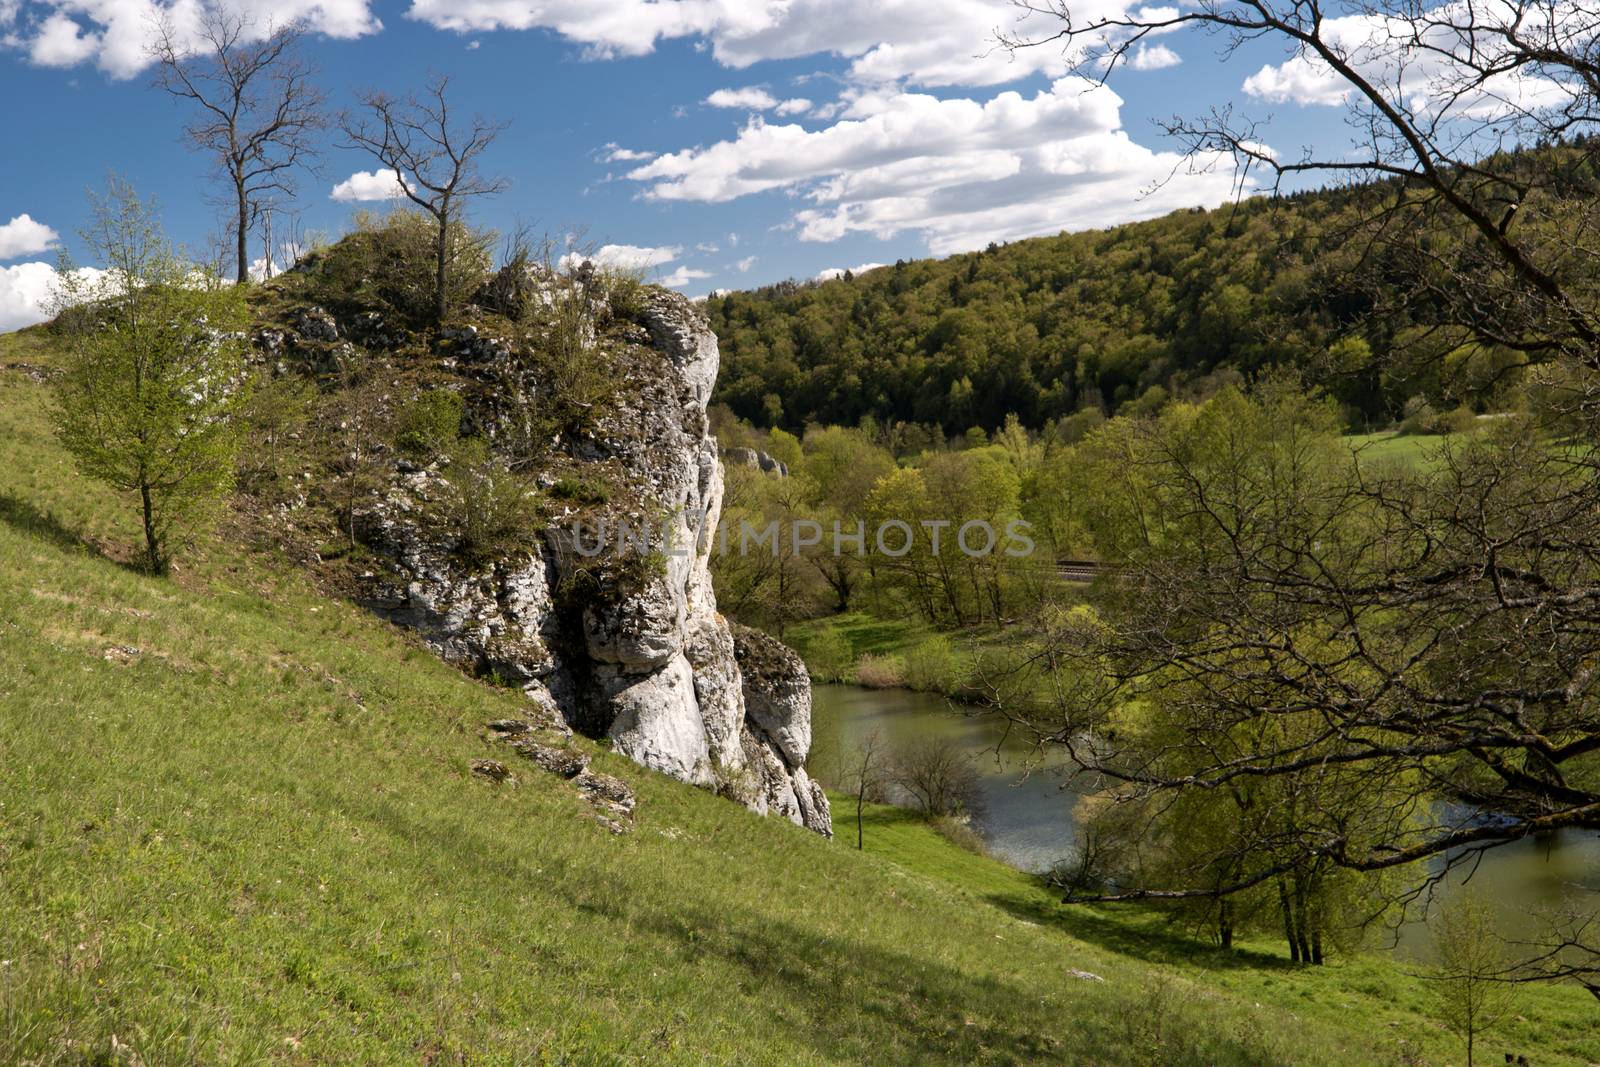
259	111
433	156
1422	642
939	775
1437	96
864	773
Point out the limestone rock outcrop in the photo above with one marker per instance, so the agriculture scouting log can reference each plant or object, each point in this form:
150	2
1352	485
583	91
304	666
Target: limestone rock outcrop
623	643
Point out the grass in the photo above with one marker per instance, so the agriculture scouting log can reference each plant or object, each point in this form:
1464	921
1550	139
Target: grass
1367	990
1389	446
256	840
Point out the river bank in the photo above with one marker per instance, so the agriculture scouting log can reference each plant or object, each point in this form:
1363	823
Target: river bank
1027	820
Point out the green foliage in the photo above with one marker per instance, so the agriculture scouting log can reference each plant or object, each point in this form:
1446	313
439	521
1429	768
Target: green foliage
1470	979
430	424
580	490
829	657
392	259
486	511
1120	320
276	417
154	375
576	374
934	666
300	868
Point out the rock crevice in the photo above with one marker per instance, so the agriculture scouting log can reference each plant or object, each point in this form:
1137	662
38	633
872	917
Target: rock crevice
627	645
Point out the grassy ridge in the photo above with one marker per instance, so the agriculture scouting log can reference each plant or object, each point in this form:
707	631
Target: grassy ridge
237	826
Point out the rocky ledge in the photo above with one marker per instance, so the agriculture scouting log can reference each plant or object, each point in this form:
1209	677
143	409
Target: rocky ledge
626	644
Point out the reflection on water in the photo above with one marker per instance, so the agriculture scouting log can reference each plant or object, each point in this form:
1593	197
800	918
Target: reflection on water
1028	813
1527	881
1028	821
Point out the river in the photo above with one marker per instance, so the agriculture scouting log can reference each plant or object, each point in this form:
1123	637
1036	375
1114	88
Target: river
1028	803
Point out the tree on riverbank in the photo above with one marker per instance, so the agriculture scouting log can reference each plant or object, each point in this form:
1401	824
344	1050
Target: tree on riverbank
1471	987
1434	626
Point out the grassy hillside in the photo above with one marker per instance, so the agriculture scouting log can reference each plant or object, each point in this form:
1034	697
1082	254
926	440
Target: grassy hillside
237	825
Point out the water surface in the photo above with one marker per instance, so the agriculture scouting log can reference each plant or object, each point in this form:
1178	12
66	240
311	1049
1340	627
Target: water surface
1028	801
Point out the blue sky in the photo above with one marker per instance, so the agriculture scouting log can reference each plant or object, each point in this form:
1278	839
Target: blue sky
854	133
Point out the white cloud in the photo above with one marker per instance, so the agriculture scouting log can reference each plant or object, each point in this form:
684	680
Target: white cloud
757	99
683	276
839	272
751	99
286	256
116	34
61	42
22	236
928	42
368	185
28	292
624	257
615	153
1426	66
744	265
958	171
1153	57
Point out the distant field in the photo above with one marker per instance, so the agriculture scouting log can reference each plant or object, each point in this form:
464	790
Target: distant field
1390	446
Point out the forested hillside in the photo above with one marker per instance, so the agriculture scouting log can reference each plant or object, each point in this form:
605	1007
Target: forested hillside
1119	320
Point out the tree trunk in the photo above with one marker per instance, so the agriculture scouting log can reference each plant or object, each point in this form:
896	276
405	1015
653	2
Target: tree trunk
1302	934
439	267
1288	921
152	544
243	244
1225	923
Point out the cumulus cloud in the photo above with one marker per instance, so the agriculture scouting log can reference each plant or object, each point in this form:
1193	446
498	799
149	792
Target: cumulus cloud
61	42
1428	72
928	42
752	99
683	276
743	266
22	236
1153	57
286	256
116	34
28	292
960	172
366	185
757	99
612	152
642	258
839	272
624	257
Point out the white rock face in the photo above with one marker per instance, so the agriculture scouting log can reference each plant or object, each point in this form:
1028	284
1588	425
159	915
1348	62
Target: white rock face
641	655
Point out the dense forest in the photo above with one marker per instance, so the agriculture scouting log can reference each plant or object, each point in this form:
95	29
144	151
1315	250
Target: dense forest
1116	320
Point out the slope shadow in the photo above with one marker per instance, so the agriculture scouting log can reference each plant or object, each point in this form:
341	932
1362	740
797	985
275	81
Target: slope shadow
870	1004
1119	935
24	517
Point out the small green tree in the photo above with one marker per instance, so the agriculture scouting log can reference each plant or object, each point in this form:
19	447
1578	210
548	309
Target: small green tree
154	374
1472	993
